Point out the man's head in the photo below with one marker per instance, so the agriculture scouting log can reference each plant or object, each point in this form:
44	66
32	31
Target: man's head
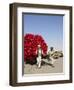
51	48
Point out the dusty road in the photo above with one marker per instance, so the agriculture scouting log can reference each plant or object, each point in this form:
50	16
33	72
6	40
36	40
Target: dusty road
32	69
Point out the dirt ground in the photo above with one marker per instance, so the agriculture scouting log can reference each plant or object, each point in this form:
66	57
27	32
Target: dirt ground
33	69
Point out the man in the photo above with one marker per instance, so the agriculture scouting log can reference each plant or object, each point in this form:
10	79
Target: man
50	53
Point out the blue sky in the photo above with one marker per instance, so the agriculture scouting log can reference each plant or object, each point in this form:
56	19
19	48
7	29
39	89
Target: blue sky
49	26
